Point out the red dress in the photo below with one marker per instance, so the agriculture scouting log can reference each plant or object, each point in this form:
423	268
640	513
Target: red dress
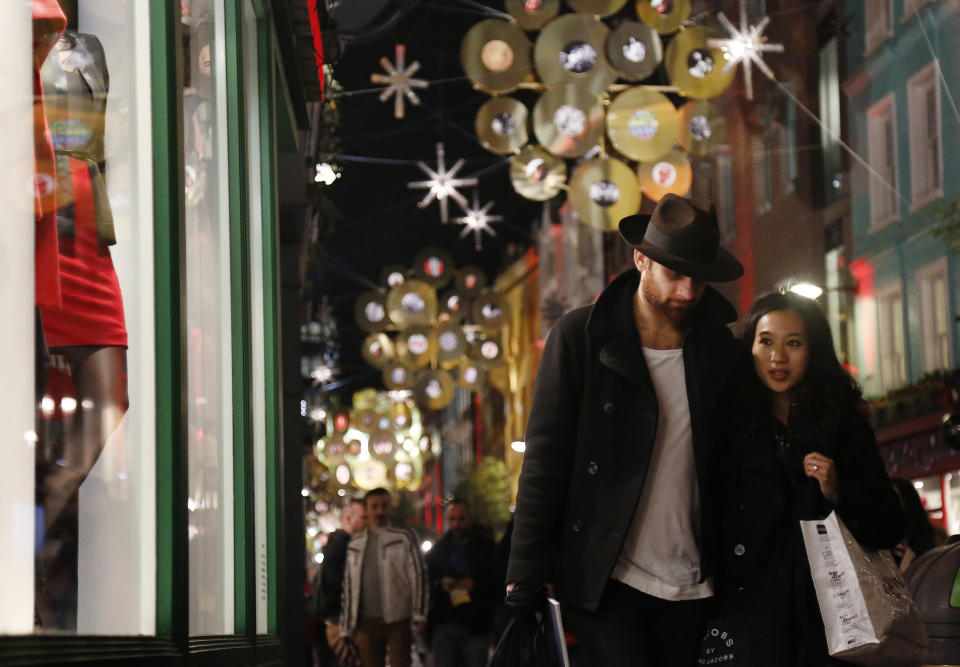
92	307
75	84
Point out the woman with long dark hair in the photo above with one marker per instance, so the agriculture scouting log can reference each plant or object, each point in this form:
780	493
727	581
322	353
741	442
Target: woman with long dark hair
795	445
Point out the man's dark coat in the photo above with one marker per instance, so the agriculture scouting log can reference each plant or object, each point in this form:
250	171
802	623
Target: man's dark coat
591	433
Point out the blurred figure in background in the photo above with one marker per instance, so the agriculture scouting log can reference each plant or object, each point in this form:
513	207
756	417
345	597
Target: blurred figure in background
385	588
920	536
465	589
353	519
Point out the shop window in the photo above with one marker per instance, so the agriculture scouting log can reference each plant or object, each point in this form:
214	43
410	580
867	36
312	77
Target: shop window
76	290
877	21
926	164
882	147
935	315
251	81
931	495
953	503
893	363
207	257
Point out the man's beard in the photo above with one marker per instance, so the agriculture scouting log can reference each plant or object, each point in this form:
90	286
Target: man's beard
676	312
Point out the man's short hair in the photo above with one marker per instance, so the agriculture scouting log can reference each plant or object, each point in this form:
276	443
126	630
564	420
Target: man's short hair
352	506
379	491
460	501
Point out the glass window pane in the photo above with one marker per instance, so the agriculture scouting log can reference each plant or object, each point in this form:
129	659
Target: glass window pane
209	414
80	328
251	80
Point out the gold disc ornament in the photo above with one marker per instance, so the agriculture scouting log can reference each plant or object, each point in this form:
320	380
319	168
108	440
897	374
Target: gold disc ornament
634	50
570	50
532	14
495	55
702	127
470	375
603	191
643	124
597	7
370	311
536	174
454	306
434	390
669	173
489	310
411	303
382	444
416	346
487	351
696	68
393	275
501	124
568	120
471	279
433	266
664	16
398	376
451	343
378	350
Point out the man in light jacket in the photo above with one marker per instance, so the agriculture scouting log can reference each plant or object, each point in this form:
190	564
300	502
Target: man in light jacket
385	587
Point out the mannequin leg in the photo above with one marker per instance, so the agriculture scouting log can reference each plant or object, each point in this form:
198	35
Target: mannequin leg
100	378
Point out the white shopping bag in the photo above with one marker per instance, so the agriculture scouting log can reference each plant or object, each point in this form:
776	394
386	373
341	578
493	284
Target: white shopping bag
868	615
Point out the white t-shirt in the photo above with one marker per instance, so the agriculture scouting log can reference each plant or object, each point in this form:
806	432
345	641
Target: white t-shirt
660	556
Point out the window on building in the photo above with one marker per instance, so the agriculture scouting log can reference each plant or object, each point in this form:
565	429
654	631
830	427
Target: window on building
934	315
882	148
926	165
877	19
893	359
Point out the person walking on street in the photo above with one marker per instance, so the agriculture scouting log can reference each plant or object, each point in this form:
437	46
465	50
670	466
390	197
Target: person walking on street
608	508
464	591
353	519
385	588
793	445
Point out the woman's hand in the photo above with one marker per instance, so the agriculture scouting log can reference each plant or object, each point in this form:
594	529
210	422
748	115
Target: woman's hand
821	468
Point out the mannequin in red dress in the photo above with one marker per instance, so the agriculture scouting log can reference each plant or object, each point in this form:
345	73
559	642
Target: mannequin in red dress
87	329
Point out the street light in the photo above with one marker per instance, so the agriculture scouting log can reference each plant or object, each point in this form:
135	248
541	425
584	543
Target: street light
808	290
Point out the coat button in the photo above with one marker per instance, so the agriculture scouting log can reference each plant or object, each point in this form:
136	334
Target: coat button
608	407
739	550
577	526
592	468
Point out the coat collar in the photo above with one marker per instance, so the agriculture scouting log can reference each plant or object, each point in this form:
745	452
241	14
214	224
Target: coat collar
612	313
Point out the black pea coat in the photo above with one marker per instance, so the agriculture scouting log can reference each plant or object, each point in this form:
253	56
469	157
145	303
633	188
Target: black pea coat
591	433
762	572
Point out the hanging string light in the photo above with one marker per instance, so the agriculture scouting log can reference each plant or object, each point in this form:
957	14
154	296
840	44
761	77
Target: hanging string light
399	80
477	220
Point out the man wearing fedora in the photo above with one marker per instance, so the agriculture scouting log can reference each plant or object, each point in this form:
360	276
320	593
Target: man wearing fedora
609	507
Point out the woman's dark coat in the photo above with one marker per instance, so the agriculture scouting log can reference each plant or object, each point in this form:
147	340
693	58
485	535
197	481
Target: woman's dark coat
762	494
591	433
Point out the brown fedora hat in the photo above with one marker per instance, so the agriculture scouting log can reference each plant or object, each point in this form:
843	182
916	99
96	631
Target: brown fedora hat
683	235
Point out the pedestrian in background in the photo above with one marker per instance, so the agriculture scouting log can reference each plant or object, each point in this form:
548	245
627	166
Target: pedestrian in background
385	588
465	590
609	503
794	445
353	519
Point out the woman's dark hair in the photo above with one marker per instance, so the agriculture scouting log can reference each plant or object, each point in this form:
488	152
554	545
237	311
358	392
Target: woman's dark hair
920	535
826	379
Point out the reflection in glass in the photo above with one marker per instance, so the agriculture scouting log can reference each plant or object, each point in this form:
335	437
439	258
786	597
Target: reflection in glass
90	482
210	497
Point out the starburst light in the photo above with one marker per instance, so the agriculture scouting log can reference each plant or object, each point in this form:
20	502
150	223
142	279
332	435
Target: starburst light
745	45
442	184
399	80
477	220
